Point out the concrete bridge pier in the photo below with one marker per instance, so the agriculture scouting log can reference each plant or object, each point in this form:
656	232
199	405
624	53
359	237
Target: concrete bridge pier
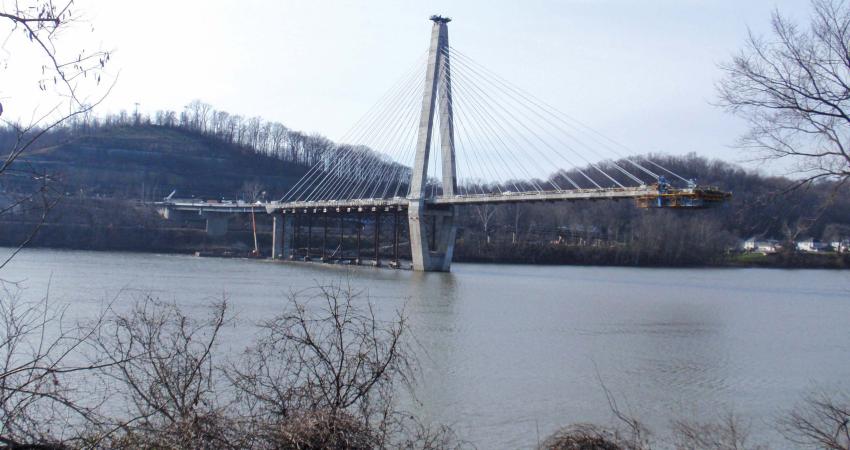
359	230
309	237
216	222
395	262
288	235
340	249
431	250
324	256
295	238
377	240
277	235
282	230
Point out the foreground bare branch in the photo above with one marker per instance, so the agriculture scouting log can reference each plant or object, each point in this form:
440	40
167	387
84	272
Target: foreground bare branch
162	362
43	397
821	421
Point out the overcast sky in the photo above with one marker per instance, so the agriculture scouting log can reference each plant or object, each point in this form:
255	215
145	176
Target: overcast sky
641	72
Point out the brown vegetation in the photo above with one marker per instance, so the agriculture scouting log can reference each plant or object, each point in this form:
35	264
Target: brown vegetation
582	437
820	423
322	374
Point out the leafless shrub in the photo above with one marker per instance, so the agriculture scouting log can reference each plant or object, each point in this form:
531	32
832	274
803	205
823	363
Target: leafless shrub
321	375
322	429
163	366
821	422
630	434
325	354
42	401
411	433
730	433
582	437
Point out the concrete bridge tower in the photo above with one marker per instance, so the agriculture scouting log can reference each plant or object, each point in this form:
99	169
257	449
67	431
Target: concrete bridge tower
433	229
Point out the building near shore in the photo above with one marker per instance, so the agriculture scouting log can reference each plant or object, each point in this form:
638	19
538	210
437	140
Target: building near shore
766	246
840	246
813	246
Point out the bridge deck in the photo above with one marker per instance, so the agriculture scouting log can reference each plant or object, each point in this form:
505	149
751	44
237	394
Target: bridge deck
401	202
550	196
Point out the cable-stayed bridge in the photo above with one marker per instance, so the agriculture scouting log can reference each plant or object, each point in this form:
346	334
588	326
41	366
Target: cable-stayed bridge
459	135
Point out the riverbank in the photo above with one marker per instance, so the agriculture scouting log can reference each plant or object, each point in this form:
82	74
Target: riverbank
239	243
624	256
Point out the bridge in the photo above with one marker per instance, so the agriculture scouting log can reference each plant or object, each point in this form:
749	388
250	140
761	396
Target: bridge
491	143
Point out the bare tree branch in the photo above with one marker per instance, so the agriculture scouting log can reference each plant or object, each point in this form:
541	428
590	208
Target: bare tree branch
794	90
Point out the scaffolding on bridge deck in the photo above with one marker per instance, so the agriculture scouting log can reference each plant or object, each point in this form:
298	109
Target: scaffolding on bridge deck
689	198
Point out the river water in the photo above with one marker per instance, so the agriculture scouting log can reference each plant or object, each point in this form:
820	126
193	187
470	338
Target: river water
509	353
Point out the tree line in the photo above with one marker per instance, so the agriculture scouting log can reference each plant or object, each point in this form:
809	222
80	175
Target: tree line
263	137
762	207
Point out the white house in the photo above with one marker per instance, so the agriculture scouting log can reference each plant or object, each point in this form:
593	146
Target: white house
812	246
840	246
761	246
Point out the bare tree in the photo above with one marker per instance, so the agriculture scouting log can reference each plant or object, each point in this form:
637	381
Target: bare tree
278	135
252	136
219	123
43	400
37	24
517	215
200	114
326	356
730	433
485	214
822	421
794	89
162	362
253	191
41	22
331	352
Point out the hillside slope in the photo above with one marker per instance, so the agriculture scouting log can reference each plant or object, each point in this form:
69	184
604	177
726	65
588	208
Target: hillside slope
150	161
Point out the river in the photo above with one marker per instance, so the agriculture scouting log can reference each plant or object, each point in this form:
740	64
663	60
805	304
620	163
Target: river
509	353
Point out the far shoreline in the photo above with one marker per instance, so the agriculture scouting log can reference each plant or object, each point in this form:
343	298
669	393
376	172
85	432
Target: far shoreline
796	261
